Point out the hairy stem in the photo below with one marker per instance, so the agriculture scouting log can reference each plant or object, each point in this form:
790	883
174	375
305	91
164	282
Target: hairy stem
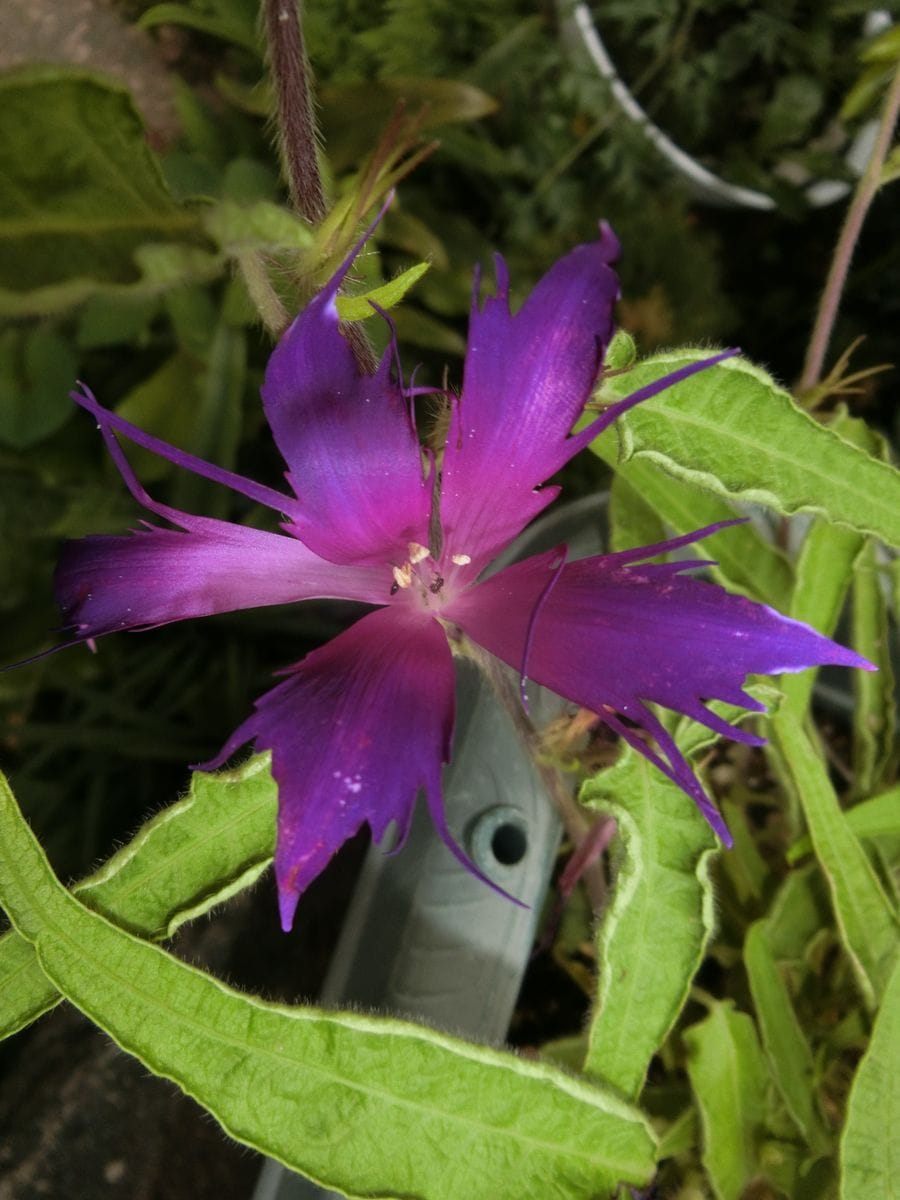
296	121
846	244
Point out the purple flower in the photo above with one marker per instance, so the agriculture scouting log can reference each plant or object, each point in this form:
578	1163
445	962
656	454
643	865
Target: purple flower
359	726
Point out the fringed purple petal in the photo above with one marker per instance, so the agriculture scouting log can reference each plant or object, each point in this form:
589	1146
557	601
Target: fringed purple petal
111	423
355	730
612	636
349	441
154	576
527	379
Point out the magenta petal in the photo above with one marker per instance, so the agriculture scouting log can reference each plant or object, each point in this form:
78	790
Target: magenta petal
349	442
612	636
527	379
153	576
355	730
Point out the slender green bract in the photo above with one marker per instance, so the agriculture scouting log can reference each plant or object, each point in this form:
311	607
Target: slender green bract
733	431
372	1107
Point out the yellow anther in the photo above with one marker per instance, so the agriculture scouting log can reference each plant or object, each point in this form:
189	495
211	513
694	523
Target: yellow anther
461	560
417	552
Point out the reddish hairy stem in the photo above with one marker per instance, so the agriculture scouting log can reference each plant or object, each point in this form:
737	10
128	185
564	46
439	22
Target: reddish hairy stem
293	94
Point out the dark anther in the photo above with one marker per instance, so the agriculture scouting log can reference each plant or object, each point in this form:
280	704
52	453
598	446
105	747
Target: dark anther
395	588
436	584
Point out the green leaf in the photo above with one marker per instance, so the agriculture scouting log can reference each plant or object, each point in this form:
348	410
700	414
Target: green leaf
632	521
225	24
784	1041
747	562
414	1112
865	917
37	371
730	1079
217	420
258	226
876	817
823	573
653	934
870	1155
732	430
875	711
192	856
80	190
357	308
164	405
797	914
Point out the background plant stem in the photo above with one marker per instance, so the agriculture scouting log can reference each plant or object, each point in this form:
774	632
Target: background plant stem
846	244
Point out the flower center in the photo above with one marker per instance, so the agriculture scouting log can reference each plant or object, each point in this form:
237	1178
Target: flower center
421	579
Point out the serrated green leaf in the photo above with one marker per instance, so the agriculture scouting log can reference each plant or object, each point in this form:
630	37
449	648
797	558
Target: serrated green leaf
732	430
864	914
747	562
870	1152
357	308
79	191
192	856
730	1079
654	932
783	1039
877	817
416	1112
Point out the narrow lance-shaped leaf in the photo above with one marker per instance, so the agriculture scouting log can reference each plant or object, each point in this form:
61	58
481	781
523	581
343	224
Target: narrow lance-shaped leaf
870	1156
415	1113
824	570
874	818
865	918
733	431
875	713
730	1078
784	1041
197	853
